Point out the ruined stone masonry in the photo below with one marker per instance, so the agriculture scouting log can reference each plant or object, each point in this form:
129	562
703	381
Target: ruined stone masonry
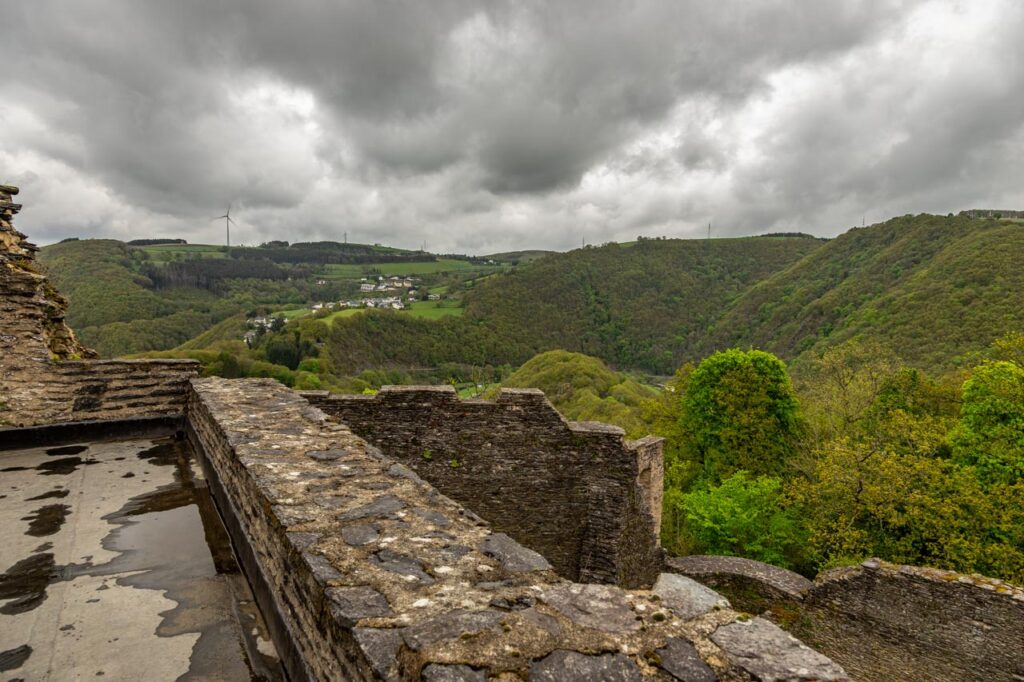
577	492
378	575
46	375
883	621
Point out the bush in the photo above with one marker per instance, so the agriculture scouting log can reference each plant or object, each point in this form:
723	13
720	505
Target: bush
744	517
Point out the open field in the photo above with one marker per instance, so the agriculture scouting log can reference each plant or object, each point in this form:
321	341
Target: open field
432	311
294	313
428	310
166	252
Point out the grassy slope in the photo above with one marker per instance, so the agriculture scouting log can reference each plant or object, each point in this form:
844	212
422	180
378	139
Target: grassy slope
159	253
519	256
931	287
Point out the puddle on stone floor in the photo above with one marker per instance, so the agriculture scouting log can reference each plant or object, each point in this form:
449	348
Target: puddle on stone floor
135	554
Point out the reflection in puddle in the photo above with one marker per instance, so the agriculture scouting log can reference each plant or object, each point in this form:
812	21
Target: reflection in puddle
53	494
63	466
25	582
14	658
169	540
47	520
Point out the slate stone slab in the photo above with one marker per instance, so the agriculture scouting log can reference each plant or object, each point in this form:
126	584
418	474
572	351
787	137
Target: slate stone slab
434	517
686	597
680	659
512	555
402	471
350	604
332	501
381	649
452	673
601	607
402	564
322	569
360	534
303	541
326	455
449	626
381	506
571	666
770	654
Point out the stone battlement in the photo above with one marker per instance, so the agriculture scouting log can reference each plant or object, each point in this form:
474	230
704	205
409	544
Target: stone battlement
884	621
577	492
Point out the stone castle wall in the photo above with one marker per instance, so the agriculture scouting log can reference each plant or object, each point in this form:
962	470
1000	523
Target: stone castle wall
885	622
372	573
882	621
45	374
86	390
578	493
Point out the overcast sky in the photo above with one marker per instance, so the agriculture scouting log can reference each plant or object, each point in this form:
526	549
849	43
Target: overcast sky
487	126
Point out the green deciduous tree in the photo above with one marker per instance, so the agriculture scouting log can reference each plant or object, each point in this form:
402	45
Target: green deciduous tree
908	508
990	435
744	516
739	412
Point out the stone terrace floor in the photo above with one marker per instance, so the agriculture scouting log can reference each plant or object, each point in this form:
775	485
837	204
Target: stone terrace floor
115	566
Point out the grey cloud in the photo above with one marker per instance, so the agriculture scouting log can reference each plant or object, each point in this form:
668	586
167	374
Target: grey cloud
511	124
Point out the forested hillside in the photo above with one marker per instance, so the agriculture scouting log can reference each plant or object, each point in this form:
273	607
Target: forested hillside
930	288
164	293
114	307
644	305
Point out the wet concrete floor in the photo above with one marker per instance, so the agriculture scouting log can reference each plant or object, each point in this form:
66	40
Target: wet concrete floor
115	565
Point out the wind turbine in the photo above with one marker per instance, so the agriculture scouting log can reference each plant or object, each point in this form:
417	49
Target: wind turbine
227	225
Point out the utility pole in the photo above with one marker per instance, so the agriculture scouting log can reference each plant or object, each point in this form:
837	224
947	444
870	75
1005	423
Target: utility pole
346	237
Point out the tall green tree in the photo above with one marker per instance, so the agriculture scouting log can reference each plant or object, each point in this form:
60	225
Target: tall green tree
990	435
739	412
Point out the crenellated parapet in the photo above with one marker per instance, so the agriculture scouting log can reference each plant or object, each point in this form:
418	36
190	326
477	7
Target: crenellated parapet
577	492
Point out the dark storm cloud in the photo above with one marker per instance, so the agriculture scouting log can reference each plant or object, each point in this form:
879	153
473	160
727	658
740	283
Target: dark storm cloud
506	124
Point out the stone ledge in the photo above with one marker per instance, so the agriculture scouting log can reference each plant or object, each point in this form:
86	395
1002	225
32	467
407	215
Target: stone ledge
925	573
737	572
